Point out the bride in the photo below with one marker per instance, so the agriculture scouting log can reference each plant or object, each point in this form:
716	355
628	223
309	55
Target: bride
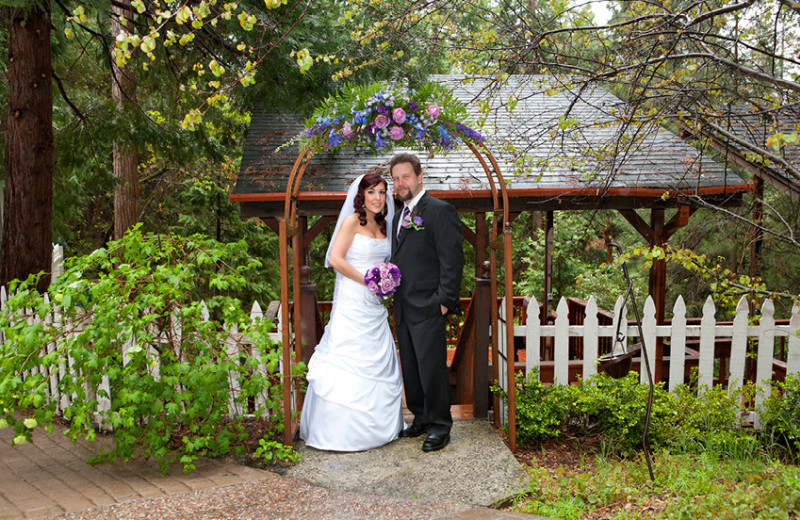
353	401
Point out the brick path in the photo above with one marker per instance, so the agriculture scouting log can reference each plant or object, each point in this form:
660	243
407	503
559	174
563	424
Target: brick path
51	476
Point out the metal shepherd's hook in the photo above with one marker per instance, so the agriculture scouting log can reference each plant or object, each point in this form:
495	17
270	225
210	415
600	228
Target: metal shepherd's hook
608	361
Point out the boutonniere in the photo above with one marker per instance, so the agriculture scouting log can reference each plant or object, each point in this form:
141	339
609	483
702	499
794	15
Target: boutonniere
412	221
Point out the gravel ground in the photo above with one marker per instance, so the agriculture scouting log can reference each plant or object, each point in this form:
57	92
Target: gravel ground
273	498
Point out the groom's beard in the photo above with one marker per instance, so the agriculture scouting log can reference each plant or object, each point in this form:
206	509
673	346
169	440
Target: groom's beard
404	198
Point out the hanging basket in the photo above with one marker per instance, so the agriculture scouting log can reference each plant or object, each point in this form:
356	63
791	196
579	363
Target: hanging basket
618	365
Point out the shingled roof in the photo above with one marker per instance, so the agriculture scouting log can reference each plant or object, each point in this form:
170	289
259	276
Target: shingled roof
558	145
745	132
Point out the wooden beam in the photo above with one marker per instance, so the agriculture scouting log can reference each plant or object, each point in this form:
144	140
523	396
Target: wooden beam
271	222
316	229
468	234
679	220
639	225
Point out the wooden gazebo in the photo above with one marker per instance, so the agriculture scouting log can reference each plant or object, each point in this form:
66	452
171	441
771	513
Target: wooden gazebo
552	146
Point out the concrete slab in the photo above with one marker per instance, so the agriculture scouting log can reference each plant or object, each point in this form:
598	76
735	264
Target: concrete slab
476	467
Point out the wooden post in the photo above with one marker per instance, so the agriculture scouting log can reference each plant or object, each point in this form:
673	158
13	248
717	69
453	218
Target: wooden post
481	242
658	285
480	375
548	267
757	240
308	318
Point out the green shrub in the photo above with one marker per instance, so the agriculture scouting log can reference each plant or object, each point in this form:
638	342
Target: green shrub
121	295
710	421
618	409
682	422
541	410
781	413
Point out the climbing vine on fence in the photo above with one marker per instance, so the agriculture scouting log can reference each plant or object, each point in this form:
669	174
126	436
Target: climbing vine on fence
170	392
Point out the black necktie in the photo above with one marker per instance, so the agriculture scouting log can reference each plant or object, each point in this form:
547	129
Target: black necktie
400	223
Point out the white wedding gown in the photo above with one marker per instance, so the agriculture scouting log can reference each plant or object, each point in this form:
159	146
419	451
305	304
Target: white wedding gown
353	402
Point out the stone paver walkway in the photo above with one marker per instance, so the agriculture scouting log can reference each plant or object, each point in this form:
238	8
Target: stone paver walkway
51	479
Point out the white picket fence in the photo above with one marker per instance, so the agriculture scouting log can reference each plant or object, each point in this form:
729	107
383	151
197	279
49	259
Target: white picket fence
740	333
236	345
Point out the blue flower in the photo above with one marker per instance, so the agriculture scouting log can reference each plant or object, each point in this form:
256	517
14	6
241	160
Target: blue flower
333	139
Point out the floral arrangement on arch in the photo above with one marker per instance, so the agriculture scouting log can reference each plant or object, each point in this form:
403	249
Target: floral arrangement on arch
380	118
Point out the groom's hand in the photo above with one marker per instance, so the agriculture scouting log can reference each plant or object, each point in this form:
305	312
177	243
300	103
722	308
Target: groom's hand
444	309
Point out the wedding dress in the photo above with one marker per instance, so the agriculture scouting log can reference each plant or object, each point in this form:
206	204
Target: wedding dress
353	402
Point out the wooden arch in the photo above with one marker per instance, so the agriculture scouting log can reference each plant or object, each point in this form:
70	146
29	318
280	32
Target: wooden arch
289	228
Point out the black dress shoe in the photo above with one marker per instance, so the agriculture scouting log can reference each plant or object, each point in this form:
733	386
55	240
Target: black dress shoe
415	430
435	442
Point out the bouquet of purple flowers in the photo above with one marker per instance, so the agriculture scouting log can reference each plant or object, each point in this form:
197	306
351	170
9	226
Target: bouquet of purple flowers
383	279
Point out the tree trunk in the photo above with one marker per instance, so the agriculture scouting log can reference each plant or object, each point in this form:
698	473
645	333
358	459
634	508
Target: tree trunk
28	197
126	158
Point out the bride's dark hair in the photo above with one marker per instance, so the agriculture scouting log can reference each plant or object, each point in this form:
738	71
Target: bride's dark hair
372	178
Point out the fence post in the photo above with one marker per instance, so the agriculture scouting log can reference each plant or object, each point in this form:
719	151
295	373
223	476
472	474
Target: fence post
533	341
561	344
590	323
738	345
677	348
766	348
705	366
649	323
793	343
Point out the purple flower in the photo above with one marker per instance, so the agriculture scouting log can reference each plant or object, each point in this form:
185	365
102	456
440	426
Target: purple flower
399	116
383	279
413	222
387	285
382	110
333	139
379	142
347	131
433	111
396	133
413	106
381	122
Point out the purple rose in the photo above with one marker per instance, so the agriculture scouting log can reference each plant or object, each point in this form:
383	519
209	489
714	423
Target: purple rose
347	131
387	285
399	116
373	287
418	221
433	111
396	133
381	122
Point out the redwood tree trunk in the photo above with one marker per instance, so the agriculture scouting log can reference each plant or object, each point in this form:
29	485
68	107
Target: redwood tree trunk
126	158
28	199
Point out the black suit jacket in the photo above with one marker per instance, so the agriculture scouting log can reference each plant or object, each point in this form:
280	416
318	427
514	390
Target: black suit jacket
430	260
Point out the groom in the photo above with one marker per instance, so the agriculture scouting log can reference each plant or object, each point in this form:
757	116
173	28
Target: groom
428	251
